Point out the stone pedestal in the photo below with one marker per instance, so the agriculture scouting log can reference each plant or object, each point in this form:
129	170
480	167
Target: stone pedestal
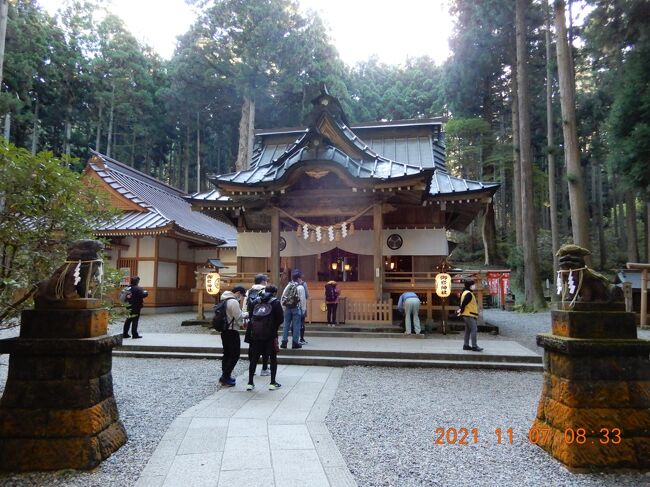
58	409
596	378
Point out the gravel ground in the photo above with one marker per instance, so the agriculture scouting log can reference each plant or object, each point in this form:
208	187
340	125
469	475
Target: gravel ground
162	323
524	327
385	430
150	394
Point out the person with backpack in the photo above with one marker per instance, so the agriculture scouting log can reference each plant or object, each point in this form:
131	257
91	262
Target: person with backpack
265	321
228	320
134	298
250	300
294	303
332	301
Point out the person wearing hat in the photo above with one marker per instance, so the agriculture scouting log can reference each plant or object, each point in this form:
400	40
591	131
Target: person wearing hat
230	336
332	301
469	311
294	304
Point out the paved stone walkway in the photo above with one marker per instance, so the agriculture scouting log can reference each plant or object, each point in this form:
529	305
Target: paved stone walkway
255	438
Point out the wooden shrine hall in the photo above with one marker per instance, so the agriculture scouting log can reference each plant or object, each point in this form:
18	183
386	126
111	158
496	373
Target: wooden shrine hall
367	205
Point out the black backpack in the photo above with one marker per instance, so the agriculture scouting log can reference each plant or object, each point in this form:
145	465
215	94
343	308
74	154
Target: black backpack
330	292
220	320
252	300
261	322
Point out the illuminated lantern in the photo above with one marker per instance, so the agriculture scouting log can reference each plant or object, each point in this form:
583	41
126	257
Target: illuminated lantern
443	285
335	265
213	283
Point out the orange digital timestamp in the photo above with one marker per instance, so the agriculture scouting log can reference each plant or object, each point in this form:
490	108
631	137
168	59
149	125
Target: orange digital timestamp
453	436
578	436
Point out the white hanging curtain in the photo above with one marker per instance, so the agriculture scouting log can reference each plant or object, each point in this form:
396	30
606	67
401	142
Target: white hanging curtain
362	242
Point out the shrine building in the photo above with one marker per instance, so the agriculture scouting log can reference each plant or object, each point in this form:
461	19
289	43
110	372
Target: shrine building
157	236
367	205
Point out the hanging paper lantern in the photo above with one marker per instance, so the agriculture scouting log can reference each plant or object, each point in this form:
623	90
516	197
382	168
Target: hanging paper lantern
443	284
213	283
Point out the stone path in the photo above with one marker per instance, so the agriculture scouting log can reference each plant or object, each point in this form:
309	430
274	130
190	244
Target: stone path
255	438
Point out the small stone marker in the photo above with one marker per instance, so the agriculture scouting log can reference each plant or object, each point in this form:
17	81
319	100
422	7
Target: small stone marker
58	409
594	411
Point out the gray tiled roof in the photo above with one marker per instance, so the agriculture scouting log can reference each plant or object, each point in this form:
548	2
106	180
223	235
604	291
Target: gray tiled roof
442	183
164	205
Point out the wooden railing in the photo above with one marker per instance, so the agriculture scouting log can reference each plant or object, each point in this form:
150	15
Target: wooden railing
369	312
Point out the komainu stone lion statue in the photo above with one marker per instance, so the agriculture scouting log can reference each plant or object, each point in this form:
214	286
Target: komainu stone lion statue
77	278
577	282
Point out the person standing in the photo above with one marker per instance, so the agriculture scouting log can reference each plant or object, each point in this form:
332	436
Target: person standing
135	300
230	336
250	300
303	283
332	301
294	303
469	311
409	304
265	321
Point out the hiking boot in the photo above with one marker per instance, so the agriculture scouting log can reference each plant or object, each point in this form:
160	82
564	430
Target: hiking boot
296	345
466	347
476	349
265	372
283	345
250	387
274	386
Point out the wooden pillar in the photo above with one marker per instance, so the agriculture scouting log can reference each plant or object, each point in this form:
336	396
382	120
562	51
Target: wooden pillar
275	247
378	261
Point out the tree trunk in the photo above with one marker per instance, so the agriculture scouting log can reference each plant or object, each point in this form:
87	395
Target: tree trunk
599	215
68	130
35	129
109	135
99	128
630	224
552	196
186	169
7	132
198	154
579	218
4	12
246	132
534	296
516	178
489	233
647	206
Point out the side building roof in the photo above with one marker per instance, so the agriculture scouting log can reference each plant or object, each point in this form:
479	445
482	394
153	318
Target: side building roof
153	207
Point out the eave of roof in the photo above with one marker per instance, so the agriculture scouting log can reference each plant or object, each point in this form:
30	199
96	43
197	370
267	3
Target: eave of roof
166	206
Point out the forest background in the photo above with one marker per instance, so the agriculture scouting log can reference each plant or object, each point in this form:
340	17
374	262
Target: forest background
516	72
